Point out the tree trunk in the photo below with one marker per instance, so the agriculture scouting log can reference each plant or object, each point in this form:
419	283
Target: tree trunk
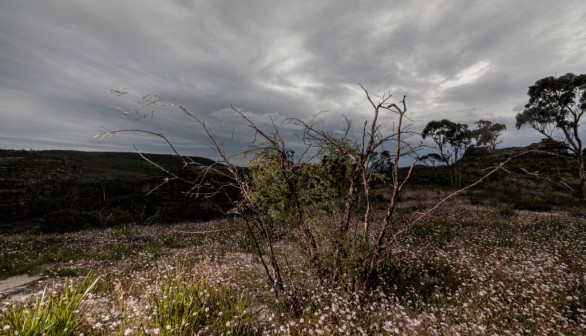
582	175
347	208
277	279
366	187
307	234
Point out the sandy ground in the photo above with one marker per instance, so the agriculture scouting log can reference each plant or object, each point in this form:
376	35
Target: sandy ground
15	284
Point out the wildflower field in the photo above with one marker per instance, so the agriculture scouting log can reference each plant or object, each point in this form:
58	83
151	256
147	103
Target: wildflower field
465	270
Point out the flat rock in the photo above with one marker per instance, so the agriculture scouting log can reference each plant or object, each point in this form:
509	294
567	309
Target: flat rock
16	283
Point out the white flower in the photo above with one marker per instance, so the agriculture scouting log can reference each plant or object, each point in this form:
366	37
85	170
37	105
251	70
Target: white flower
127	332
156	331
228	324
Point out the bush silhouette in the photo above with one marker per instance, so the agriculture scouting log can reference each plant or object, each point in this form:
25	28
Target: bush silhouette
70	220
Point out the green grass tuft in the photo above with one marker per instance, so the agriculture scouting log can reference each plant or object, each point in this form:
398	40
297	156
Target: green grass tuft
184	305
53	312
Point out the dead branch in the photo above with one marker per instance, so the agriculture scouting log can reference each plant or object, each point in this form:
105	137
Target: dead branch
407	227
204	232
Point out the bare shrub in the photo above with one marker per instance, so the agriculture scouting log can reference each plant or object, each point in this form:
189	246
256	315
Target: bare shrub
283	193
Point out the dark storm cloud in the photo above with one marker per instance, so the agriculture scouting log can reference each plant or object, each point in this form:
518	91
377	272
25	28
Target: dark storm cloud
463	60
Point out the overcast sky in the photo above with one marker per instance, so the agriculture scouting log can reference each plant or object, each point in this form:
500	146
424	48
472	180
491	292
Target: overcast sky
462	60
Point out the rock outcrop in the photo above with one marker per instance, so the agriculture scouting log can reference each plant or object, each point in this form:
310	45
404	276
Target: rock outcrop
544	148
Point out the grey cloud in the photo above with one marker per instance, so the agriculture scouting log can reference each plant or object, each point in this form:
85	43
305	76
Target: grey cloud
284	59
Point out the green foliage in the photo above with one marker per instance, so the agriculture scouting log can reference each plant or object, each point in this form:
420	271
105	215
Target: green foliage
87	166
184	305
54	312
70	220
118	217
525	202
38	183
346	258
447	133
541	119
433	158
155	249
506	212
33	254
488	133
275	190
420	282
515	200
556	105
337	170
269	191
315	183
555	102
64	272
119	251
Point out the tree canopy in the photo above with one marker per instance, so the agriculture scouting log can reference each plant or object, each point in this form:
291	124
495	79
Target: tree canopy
556	105
488	133
555	109
451	138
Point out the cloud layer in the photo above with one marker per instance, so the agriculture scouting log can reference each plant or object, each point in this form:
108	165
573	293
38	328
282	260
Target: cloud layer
463	60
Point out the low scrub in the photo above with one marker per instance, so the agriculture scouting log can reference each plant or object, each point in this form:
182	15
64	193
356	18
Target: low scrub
70	220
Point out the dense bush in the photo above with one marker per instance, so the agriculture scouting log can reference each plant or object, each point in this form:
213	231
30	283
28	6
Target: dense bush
70	220
118	217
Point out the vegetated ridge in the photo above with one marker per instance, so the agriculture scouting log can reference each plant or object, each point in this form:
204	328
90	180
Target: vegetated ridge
86	189
93	189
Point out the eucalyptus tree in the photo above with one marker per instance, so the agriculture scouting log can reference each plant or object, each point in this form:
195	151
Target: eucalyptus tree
555	108
450	138
488	133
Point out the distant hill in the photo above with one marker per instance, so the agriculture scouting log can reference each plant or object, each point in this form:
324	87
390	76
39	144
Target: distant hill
541	176
25	164
59	190
104	188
